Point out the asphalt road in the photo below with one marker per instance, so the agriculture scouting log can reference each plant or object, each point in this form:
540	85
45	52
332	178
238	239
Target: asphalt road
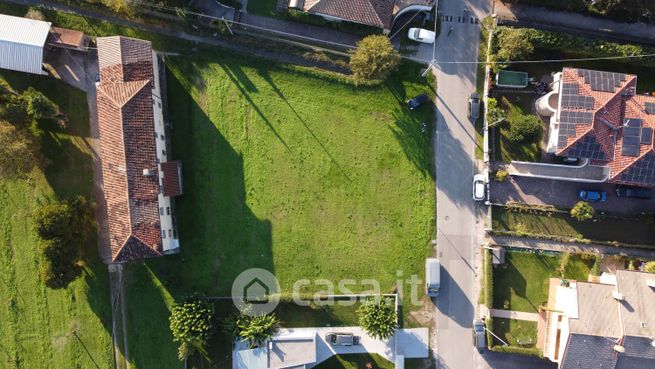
455	162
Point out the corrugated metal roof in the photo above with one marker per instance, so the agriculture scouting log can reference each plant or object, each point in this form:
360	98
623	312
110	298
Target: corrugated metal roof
23	30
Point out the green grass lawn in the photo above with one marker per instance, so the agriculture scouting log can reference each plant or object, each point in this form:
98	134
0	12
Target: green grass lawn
622	230
523	279
42	327
518	333
289	170
356	361
262	7
515	105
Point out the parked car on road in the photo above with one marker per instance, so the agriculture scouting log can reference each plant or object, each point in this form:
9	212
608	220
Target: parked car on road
342	339
417	101
592	195
479	187
474	106
479	335
635	192
421	35
432	277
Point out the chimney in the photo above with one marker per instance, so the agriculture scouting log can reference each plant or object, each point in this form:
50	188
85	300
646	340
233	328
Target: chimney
619	349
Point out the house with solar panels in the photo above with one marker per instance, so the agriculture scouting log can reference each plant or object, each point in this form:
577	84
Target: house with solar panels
597	117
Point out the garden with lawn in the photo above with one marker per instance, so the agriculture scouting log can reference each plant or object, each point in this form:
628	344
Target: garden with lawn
292	170
521	284
40	326
545	223
516	333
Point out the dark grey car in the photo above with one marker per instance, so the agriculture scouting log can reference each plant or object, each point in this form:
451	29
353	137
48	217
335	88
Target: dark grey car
474	106
342	339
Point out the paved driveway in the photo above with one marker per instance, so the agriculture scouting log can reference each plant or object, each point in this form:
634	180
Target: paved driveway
538	191
497	360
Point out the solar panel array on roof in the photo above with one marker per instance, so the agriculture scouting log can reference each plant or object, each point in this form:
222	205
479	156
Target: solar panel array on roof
631	137
646	136
578	101
650	107
588	147
570	89
602	81
568	120
642	172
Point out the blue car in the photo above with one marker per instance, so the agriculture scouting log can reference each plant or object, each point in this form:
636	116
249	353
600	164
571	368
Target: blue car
417	101
591	195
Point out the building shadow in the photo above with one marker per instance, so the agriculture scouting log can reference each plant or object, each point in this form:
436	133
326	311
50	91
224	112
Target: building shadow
220	236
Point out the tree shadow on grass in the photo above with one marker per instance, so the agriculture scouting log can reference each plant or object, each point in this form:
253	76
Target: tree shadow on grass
415	136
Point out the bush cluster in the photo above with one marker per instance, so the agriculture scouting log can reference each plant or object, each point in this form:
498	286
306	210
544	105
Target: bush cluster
63	227
192	323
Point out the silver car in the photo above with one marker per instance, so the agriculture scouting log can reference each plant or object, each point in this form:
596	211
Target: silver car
474	106
342	339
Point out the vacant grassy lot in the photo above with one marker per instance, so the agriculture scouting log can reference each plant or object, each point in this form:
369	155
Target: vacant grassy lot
522	281
289	170
623	230
41	327
516	332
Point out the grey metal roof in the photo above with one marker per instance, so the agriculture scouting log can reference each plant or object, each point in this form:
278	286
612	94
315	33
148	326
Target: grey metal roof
589	352
638	307
23	30
598	311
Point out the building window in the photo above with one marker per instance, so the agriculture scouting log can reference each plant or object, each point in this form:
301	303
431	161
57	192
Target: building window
161	211
162	137
159	104
175	233
168	210
163	152
163	233
170	233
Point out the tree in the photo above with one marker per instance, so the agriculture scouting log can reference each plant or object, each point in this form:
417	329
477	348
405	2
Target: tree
38	105
494	112
378	317
583	211
254	329
19	153
628	10
373	59
64	227
649	267
524	128
513	44
192	324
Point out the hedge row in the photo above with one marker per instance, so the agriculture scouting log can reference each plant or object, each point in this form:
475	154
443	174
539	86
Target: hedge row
533	351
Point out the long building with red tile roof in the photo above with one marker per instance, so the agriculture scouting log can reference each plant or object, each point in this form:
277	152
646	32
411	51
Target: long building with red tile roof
133	150
600	117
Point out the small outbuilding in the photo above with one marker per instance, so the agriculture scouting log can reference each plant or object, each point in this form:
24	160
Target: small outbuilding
22	41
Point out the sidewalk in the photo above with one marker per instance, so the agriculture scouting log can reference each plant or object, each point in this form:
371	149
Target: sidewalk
536	244
556	20
511	314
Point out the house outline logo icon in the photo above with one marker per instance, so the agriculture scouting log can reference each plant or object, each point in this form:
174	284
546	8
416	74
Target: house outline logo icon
255	292
252	296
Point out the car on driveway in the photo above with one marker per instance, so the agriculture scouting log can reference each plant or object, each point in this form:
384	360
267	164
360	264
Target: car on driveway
635	192
421	35
342	339
474	106
479	187
479	335
592	195
417	101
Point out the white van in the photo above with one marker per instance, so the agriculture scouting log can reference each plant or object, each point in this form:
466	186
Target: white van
432	276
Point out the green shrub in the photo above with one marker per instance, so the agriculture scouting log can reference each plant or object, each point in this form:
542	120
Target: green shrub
524	128
373	58
64	228
533	351
192	324
583	211
501	175
38	105
595	269
513	45
378	317
649	267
